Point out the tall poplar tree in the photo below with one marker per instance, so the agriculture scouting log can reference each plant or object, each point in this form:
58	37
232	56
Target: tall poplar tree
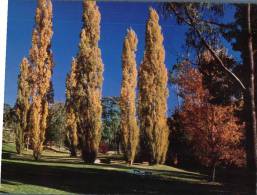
153	93
71	120
22	103
42	64
89	83
129	128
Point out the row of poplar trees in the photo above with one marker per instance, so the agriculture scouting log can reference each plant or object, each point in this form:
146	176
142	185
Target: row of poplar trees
144	127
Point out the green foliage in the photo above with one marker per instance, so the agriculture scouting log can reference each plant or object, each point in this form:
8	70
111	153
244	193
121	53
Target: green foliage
222	88
179	152
9	123
111	121
237	36
206	17
56	128
9	118
50	93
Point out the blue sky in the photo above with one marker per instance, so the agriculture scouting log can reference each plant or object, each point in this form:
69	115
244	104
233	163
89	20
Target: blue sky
116	18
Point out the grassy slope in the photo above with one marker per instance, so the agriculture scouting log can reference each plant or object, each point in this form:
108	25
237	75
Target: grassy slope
56	173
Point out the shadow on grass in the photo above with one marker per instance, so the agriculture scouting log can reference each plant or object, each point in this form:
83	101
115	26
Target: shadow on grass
92	180
74	161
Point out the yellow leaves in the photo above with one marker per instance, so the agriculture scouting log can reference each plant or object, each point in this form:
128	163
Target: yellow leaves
71	120
89	78
92	18
207	56
153	30
22	102
153	91
132	40
129	128
41	73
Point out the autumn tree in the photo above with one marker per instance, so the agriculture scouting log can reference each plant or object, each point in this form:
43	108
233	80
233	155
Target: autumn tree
205	29
89	78
41	62
22	104
215	133
153	93
129	128
71	119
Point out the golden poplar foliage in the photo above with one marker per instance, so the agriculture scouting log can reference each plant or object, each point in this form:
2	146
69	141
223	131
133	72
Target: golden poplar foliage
153	92
22	103
128	124
89	83
71	121
42	64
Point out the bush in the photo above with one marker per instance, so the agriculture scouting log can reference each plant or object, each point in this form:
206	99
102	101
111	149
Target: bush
103	148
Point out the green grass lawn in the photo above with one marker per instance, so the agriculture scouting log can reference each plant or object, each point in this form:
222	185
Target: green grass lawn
56	173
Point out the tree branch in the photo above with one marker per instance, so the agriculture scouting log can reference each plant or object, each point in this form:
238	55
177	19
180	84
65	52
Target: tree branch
217	24
192	24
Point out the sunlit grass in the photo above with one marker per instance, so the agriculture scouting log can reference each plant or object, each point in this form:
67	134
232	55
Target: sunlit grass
16	187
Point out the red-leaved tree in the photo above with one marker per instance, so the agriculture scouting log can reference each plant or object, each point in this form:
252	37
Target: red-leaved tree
214	131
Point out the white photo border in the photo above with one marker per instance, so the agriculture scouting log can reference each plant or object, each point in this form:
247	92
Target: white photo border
3	39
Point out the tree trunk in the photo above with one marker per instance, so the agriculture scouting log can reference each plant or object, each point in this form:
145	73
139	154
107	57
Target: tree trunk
36	155
118	147
73	151
27	142
19	140
252	88
213	173
88	156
